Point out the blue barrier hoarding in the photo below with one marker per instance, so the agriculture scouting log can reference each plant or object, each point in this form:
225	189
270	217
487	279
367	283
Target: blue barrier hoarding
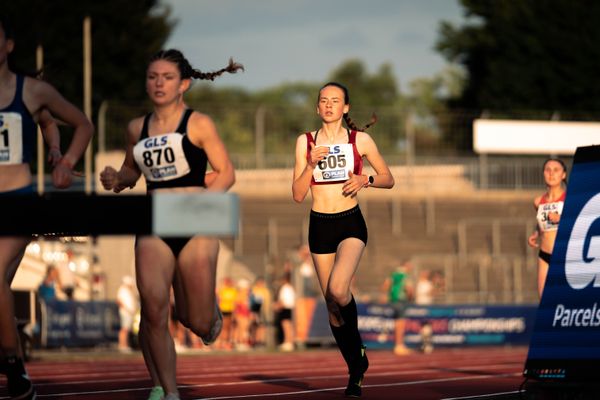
471	324
564	344
79	324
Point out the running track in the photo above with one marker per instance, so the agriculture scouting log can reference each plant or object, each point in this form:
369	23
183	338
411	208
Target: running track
473	373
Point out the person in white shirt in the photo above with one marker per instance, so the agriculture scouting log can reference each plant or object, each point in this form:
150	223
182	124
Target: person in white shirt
127	301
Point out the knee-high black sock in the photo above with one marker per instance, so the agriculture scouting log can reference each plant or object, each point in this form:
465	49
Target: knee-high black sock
349	314
347	336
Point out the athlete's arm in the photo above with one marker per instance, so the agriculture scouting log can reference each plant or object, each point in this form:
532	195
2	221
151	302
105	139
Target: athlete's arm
303	169
203	133
383	177
51	135
129	173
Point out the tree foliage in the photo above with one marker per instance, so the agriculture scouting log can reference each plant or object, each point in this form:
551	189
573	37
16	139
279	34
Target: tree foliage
527	54
124	35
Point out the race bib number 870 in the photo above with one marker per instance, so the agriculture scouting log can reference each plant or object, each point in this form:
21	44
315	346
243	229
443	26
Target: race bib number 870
336	166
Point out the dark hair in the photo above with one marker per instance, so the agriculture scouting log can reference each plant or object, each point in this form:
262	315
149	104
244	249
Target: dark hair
558	160
187	72
6	27
347	118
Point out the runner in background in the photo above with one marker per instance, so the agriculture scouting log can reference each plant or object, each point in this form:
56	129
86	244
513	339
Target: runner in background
549	208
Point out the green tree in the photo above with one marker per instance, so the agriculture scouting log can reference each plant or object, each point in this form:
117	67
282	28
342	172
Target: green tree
124	35
527	54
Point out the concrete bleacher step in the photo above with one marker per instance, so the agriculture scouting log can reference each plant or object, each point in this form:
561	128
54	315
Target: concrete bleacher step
399	229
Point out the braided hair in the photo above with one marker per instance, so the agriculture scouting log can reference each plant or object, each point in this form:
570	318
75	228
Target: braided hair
349	122
187	71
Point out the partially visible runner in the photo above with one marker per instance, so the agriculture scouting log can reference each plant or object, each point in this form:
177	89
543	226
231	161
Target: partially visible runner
24	103
549	208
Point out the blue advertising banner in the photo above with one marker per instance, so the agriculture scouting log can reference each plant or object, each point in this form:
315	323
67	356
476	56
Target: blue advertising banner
564	344
470	325
79	324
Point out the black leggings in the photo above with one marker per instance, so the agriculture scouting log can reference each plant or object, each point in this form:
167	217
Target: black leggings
545	256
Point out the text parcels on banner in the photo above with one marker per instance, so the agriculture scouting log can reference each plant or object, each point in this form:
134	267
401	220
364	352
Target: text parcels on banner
564	344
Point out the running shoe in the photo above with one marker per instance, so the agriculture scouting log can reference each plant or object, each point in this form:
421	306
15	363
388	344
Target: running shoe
20	387
354	388
172	396
157	393
215	330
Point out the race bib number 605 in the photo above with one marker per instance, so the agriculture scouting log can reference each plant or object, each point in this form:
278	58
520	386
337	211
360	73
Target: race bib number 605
336	165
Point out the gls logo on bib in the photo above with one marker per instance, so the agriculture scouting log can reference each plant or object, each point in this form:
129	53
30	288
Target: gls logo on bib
582	259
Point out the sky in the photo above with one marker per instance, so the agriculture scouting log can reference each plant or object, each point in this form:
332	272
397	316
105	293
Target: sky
286	41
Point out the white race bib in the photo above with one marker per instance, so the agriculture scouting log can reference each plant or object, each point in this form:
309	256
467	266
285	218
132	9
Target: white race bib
337	165
542	215
161	158
11	138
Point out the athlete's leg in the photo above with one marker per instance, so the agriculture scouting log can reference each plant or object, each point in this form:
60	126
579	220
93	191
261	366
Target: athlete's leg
155	266
343	312
194	286
12	250
542	275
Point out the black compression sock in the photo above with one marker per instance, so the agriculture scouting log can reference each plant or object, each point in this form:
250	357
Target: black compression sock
352	335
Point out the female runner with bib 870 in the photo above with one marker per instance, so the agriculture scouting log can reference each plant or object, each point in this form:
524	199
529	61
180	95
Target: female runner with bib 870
171	146
329	163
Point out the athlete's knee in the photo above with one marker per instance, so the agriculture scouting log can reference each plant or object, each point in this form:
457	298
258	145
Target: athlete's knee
338	294
154	314
200	325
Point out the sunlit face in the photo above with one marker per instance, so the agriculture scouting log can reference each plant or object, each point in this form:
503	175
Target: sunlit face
331	105
163	82
554	173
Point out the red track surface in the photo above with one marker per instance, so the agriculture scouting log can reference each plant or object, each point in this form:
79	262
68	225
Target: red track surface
315	374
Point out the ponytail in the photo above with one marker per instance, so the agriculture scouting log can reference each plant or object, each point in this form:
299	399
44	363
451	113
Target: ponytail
187	72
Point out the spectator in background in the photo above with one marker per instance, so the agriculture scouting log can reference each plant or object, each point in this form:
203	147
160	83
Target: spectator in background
67	279
424	289
127	300
286	301
47	289
424	293
400	292
260	299
549	208
226	295
241	315
307	293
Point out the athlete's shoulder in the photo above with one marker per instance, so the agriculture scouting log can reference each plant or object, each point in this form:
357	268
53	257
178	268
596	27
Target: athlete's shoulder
134	127
200	121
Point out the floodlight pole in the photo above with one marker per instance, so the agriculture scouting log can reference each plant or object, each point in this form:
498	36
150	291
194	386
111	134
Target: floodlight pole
87	95
39	64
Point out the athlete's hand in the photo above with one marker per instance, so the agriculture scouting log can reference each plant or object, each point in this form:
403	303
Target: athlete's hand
317	153
62	174
54	156
532	241
110	180
554	217
353	184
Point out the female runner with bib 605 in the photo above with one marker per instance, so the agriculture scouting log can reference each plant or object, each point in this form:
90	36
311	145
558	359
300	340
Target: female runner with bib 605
329	163
171	146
